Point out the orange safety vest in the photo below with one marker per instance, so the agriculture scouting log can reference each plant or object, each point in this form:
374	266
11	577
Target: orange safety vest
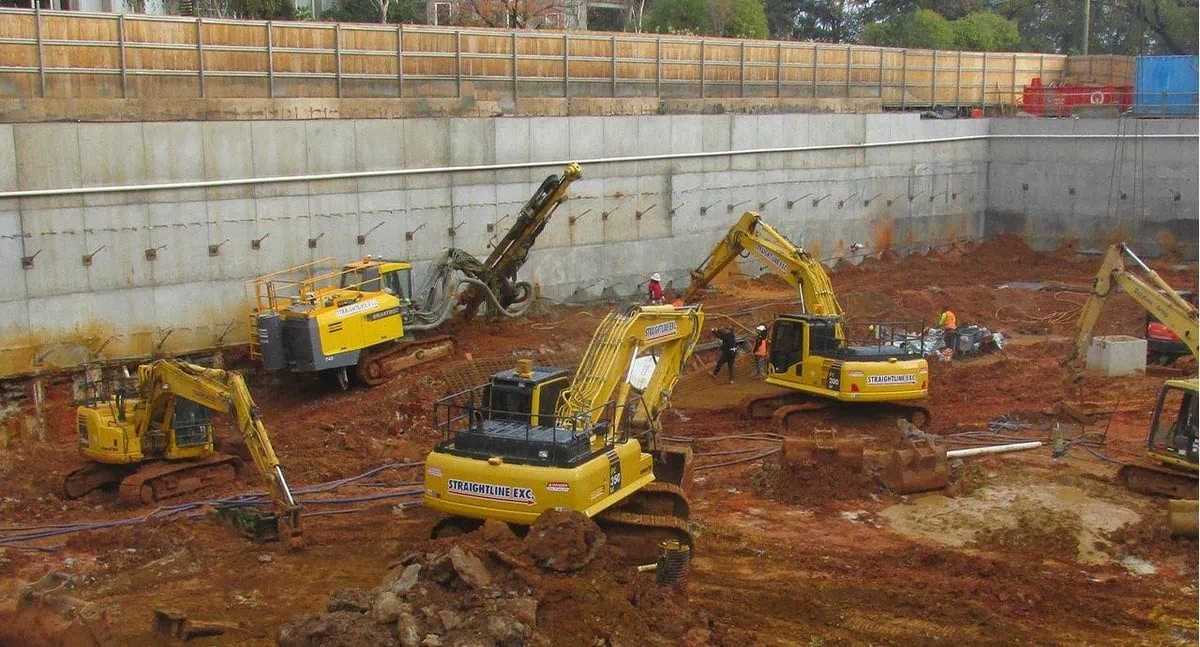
948	320
760	347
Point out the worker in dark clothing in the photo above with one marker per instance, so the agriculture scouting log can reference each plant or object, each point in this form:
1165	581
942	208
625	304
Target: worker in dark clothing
728	350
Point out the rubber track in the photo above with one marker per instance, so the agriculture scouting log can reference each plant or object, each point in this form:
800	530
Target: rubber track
1160	482
131	486
661	487
673	524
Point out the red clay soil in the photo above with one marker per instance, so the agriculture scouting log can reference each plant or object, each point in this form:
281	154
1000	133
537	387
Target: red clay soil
769	569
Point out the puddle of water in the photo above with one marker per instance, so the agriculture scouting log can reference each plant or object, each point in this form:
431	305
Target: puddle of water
1138	566
956	522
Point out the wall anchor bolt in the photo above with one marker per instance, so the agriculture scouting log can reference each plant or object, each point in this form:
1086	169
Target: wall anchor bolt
637	215
312	242
913	196
1124	195
935	196
87	258
763	205
1024	186
214	250
894	198
152	253
868	201
731	206
361	239
408	235
1177	195
705	208
791	203
574	219
672	210
1071	190
256	243
954	196
842	202
27	261
817	201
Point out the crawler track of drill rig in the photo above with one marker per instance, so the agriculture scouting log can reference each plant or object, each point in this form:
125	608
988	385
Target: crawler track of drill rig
150	483
377	366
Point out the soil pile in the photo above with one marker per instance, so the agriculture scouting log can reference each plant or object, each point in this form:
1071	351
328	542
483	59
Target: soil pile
560	585
811	485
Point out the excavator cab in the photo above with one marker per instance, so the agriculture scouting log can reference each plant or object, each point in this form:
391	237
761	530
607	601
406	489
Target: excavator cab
1173	433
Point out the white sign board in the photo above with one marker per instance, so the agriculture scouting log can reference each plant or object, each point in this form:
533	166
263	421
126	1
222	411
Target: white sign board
641	372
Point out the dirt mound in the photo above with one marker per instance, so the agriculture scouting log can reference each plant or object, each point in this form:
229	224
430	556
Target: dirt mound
563	540
1149	538
491	588
814	485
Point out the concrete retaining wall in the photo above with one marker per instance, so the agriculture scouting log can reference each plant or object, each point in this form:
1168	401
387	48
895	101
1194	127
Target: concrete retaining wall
1092	192
60	311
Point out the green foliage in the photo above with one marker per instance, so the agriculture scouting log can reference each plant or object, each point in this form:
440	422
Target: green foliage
262	9
825	21
983	31
922	29
679	17
399	11
748	20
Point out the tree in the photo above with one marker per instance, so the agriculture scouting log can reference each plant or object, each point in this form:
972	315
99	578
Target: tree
738	18
679	17
923	28
984	31
518	14
828	21
1173	23
398	11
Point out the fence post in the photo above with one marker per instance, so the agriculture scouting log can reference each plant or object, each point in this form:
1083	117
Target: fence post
200	53
658	66
458	63
958	84
121	45
1042	68
779	70
337	54
849	57
514	64
702	64
271	64
983	83
1012	94
880	77
37	17
933	83
814	70
613	45
904	80
742	72
400	61
566	66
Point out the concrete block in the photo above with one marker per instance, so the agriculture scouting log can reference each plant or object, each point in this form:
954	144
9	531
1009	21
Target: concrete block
550	140
284	226
8	159
183	229
279	148
716	136
174	153
47	156
59	236
687	136
231	226
11	248
112	155
1115	355
653	138
331	148
472	142
124	234
512	146
427	144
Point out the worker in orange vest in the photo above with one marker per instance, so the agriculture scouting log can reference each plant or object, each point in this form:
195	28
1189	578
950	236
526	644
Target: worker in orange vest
949	324
760	351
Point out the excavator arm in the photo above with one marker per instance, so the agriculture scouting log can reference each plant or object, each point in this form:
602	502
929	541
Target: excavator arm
751	236
1157	297
224	392
607	365
510	252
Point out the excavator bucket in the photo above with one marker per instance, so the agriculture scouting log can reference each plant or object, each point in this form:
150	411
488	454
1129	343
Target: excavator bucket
673	464
41	613
920	467
824	447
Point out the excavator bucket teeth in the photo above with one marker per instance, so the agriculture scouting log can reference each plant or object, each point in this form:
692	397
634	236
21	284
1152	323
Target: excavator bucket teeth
919	468
258	525
824	449
673	464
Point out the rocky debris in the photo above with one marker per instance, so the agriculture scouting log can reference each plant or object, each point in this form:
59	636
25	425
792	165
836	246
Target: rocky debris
470	568
356	600
407	580
563	540
341	629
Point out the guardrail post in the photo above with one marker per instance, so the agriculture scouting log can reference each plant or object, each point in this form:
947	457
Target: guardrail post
1012	94
983	83
37	17
778	70
514	64
658	67
1042	68
933	83
613	46
458	64
200	53
400	61
337	55
904	80
271	63
958	84
121	46
566	66
702	68
881	77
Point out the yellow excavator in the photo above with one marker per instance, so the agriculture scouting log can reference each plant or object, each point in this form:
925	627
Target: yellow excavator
358	319
810	351
159	444
1170	466
534	438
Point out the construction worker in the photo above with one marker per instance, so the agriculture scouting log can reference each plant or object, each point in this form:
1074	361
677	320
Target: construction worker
760	351
728	350
949	324
656	291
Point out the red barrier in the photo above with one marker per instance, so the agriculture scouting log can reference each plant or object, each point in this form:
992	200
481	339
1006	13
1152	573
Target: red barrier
1062	100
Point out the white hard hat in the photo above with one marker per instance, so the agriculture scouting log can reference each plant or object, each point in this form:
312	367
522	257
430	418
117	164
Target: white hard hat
761	328
655	277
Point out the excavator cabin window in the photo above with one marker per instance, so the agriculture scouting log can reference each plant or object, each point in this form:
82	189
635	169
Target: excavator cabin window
363	280
398	283
1175	423
787	344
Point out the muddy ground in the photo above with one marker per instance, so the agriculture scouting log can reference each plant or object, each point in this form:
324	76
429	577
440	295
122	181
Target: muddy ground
1019	548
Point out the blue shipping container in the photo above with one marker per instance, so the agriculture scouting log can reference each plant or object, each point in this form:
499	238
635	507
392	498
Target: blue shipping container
1166	85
